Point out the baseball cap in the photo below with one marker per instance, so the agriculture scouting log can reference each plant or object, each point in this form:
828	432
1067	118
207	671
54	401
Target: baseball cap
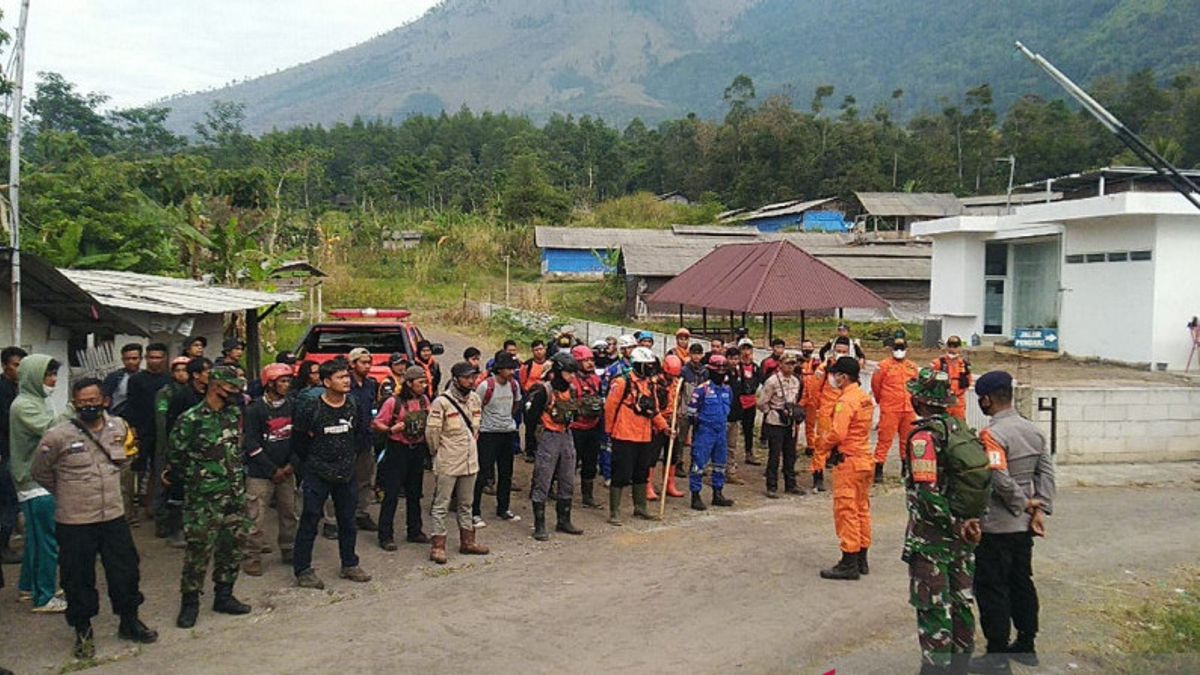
463	369
358	353
992	382
414	373
179	361
847	365
745	342
683	332
397	357
232	343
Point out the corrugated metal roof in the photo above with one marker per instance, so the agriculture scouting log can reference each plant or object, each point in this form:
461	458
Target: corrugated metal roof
48	291
858	262
715	230
165	295
766	277
906	204
785	209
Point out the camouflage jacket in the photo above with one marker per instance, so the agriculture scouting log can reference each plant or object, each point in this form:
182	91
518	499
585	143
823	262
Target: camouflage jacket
932	530
205	451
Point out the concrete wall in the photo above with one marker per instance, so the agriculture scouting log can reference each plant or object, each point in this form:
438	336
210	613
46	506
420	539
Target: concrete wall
956	286
1129	424
1176	280
39	336
1107	307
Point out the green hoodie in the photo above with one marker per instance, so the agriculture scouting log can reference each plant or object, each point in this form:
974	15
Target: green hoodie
29	418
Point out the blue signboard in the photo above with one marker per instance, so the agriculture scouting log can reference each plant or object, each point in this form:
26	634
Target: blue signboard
1045	339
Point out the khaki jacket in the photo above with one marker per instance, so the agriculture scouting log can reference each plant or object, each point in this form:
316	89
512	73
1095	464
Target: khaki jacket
451	442
84	478
776	393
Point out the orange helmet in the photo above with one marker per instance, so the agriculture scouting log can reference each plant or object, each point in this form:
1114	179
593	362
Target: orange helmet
274	372
672	365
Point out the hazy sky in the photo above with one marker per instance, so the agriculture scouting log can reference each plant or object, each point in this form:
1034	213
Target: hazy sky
140	50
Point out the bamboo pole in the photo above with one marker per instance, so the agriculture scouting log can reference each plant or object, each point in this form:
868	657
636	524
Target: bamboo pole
668	469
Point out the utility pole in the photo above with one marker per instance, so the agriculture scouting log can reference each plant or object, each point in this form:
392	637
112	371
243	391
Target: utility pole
1011	160
507	280
14	171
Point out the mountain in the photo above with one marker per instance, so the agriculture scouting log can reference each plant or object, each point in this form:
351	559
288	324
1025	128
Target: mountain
658	59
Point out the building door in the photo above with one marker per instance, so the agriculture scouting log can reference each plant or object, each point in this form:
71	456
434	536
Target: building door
995	270
1035	284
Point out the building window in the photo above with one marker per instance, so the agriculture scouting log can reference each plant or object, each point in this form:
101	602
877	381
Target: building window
993	307
1094	257
1075	259
1139	255
1118	256
995	260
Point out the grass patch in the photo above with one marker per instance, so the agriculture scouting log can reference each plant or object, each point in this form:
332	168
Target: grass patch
1169	624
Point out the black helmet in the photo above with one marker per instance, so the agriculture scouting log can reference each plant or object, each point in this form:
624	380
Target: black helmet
564	362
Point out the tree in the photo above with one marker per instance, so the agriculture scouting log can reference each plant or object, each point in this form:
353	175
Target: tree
143	132
738	96
530	197
57	106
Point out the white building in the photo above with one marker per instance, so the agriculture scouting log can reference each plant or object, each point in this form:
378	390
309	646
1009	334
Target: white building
1118	275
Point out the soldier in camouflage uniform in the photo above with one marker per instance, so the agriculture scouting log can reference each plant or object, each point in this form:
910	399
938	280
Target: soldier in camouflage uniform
938	547
205	454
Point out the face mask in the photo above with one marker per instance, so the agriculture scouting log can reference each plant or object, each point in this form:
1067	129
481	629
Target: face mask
90	413
806	353
49	391
899	353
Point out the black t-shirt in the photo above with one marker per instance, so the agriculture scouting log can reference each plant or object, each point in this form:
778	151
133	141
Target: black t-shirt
139	404
324	440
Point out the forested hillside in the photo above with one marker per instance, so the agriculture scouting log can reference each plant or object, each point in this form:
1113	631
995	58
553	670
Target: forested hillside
660	59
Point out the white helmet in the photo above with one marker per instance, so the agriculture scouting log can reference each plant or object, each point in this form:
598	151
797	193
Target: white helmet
626	342
599	345
642	355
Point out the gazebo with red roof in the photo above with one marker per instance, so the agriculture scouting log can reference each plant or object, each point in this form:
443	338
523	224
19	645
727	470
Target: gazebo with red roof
767	278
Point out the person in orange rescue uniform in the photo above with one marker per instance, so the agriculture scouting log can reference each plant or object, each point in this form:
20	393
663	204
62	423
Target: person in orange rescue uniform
826	396
847	446
956	365
889	384
807	370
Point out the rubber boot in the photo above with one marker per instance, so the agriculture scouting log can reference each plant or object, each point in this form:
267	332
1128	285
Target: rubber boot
437	551
539	522
698	502
225	603
650	494
564	524
878	473
673	491
847	568
614	505
719	498
467	545
863	568
640	510
818	481
587	490
189	609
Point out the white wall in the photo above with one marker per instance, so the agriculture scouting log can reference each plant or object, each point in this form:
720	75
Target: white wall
39	336
173	331
956	282
1126	424
1176	289
1107	308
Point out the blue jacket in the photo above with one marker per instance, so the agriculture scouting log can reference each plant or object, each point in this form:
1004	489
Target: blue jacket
364	398
710	405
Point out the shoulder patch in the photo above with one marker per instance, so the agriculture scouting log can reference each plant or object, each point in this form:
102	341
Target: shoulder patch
924	458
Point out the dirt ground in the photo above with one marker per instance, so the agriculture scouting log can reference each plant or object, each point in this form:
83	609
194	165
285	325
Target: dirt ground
724	591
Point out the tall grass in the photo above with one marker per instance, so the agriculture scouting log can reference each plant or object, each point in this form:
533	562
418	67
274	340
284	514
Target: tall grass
643	210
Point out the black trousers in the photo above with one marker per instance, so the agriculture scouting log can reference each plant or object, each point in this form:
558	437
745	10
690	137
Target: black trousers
403	466
781	444
315	490
631	462
78	546
747	420
531	427
1004	587
587	448
495	460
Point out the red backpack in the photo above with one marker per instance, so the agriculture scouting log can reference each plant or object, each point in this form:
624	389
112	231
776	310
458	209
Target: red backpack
490	391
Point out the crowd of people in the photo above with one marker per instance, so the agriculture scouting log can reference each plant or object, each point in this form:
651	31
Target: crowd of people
311	445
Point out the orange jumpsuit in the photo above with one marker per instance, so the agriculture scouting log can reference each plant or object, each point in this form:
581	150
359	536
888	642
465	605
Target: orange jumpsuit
955	369
850	432
826	397
889	384
808	377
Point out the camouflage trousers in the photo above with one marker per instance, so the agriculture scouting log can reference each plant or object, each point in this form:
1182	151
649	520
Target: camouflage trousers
214	526
940	590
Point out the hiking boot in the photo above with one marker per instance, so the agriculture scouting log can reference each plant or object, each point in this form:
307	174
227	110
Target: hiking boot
418	538
698	503
586	489
329	531
863	568
640	508
309	579
467	545
818	481
437	551
539	522
355	574
564	524
733	479
225	603
134	630
614	506
365	523
389	545
878	473
252	568
991	662
1023	651
719	498
85	642
847	568
189	609
795	490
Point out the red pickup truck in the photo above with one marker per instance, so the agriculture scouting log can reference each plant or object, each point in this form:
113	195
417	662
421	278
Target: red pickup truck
382	331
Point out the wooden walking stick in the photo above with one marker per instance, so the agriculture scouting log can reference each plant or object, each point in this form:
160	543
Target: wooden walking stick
667	468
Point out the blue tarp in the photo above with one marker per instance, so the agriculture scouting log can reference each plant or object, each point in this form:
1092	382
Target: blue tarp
574	261
825	221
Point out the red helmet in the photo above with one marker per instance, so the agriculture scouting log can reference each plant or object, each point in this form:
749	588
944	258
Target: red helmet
581	353
274	372
716	362
672	365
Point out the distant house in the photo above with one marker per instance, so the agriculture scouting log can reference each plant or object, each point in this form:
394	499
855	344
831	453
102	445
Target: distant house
579	252
676	197
897	211
815	215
